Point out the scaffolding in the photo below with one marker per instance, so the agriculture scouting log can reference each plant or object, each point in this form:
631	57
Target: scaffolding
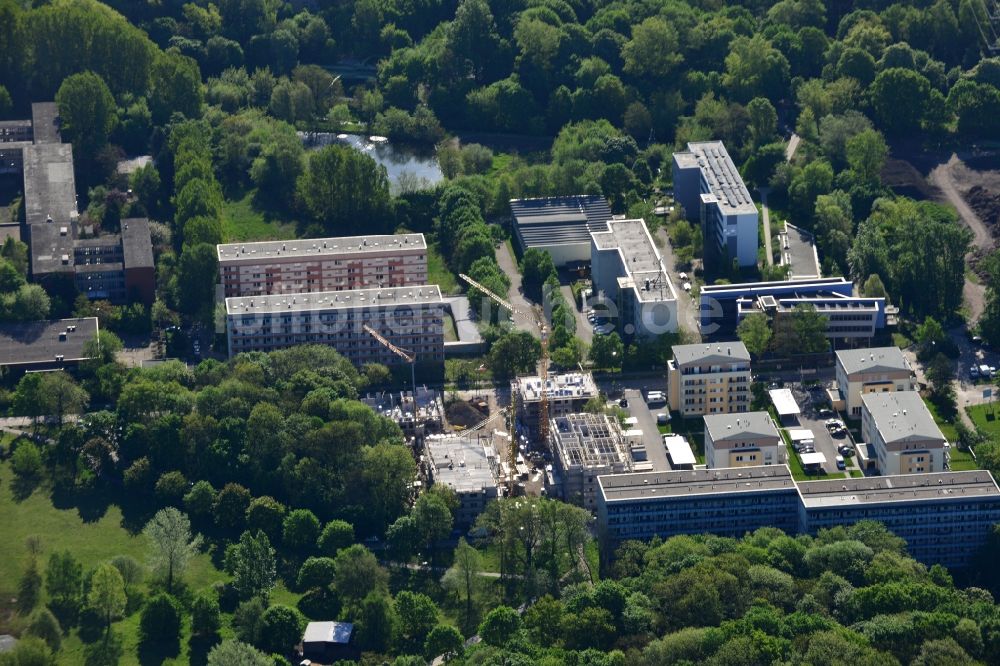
586	446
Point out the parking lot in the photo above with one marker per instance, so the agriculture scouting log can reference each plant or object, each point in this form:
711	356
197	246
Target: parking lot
656	453
813	418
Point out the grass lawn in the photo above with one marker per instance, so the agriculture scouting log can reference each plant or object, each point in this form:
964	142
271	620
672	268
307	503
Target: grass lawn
985	417
450	334
96	538
947	427
242	222
961	460
438	272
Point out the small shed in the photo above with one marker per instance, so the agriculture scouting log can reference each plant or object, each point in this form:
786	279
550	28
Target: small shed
785	404
328	641
679	451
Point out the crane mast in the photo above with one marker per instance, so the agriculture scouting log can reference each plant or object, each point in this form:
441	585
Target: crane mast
407	356
543	373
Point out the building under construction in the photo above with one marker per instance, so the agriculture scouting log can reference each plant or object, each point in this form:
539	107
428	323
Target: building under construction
567	394
585	447
468	464
416	418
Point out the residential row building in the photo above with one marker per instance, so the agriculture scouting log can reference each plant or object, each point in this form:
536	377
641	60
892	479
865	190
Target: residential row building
322	264
627	268
710	378
944	517
65	255
850	319
586	446
742	440
709	187
411	318
901	431
874	370
468	464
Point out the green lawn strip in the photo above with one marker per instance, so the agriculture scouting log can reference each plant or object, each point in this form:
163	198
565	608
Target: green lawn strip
438	272
242	222
947	427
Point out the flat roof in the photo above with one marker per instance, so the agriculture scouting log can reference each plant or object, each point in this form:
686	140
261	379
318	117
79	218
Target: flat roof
328	632
49	184
679	450
37	342
306	247
800	434
465	462
698	482
45	122
720	173
724	427
136	243
784	402
640	258
568	385
51	249
812	458
546	221
777	285
902	488
875	359
901	416
729	351
387	297
588	440
800	256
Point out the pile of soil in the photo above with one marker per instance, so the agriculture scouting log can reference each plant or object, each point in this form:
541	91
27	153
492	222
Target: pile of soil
986	205
463	414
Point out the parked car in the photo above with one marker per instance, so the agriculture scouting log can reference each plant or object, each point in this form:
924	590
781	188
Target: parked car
682	275
687	286
840	463
662	418
845	450
825	413
623	403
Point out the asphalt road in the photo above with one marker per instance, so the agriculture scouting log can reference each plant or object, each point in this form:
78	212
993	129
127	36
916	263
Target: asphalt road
656	453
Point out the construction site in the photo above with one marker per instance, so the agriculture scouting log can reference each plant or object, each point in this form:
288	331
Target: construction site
563	394
586	446
468	464
417	415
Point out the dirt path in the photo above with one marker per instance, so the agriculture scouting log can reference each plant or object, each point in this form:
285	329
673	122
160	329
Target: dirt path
793	145
516	294
766	216
943	177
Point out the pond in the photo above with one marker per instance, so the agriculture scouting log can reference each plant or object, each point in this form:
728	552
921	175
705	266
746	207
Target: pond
408	169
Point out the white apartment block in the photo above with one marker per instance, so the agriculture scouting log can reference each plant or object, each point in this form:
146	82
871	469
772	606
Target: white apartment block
903	434
742	440
709	187
409	317
876	370
322	264
627	267
709	379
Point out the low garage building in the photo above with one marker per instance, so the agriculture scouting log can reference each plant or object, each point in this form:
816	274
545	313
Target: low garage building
560	225
327	642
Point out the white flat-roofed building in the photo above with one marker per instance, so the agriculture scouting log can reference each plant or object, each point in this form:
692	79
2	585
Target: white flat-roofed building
903	433
742	440
945	517
710	188
627	267
709	378
468	464
322	264
726	502
587	446
875	370
409	317
679	453
567	394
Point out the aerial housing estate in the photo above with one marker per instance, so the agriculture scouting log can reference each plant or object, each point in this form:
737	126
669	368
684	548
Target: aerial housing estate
65	255
709	187
326	290
742	440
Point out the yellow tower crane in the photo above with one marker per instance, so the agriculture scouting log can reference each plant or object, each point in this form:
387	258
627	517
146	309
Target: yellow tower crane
404	354
543	369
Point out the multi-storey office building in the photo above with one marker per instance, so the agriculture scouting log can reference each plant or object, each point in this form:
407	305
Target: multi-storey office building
567	394
409	317
944	518
875	370
709	378
587	446
726	502
742	440
627	267
709	187
903	434
322	264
